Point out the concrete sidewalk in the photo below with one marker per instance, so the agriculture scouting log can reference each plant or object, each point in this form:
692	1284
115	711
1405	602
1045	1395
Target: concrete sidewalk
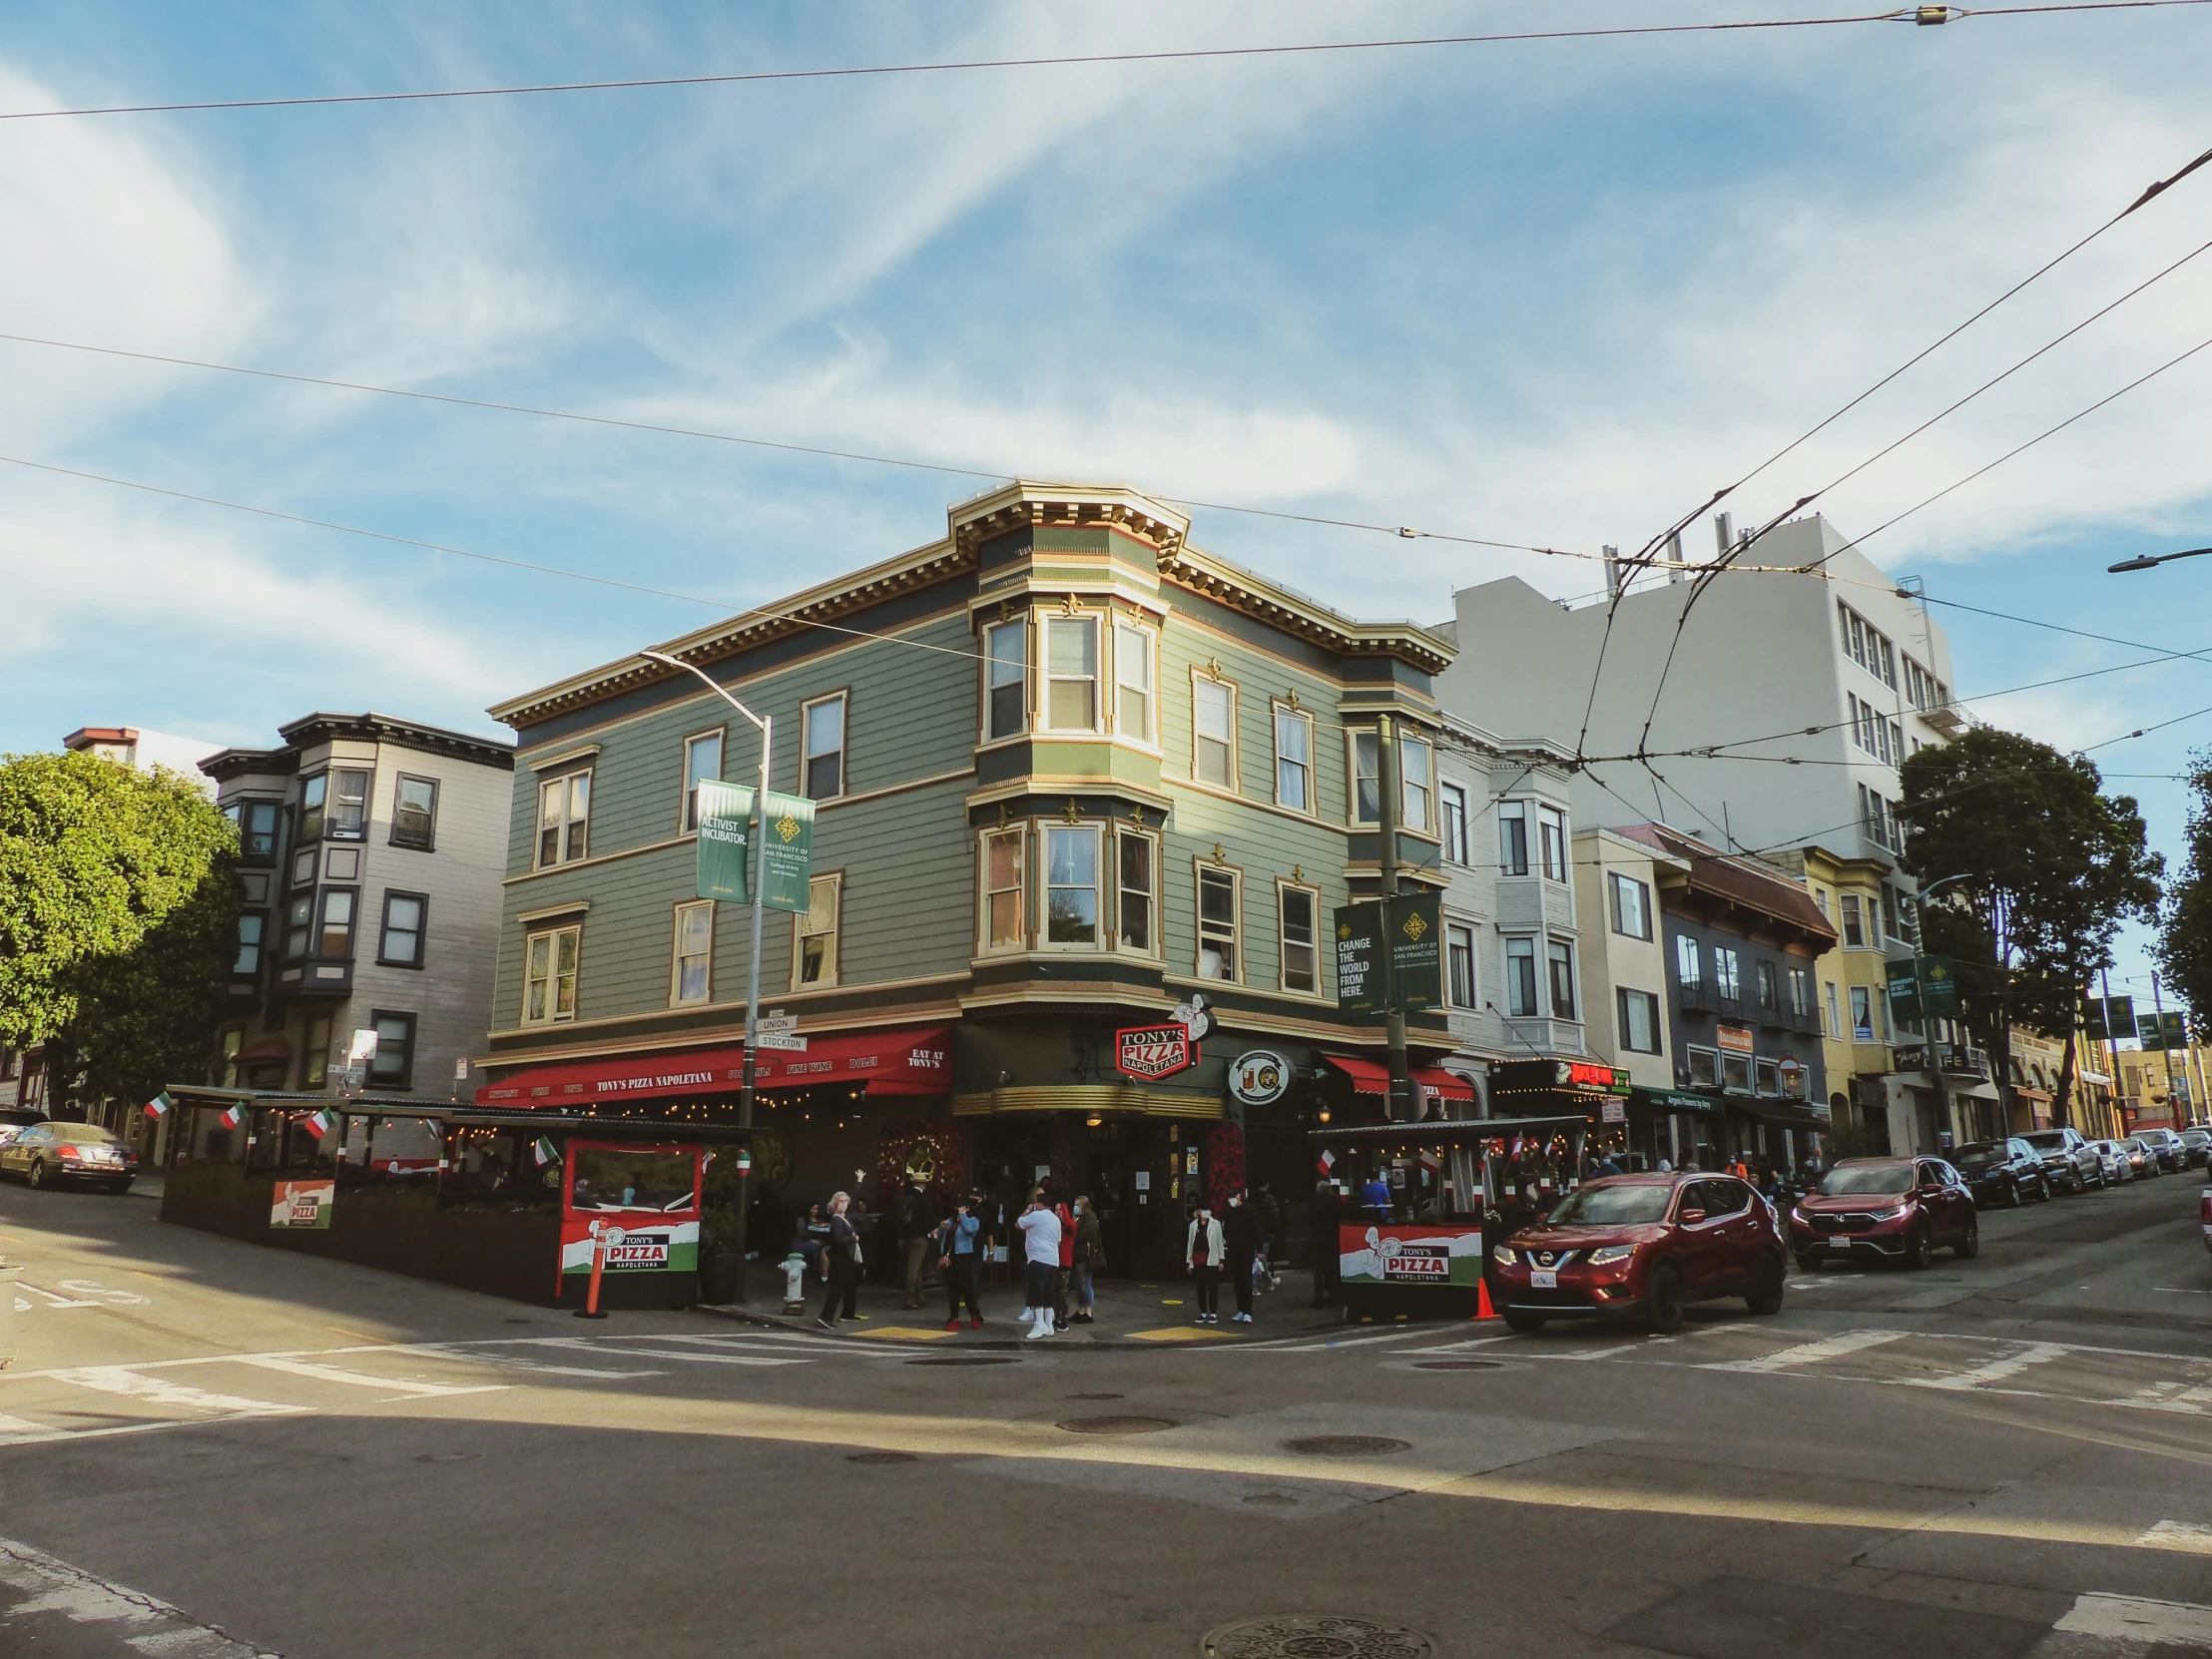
1130	1313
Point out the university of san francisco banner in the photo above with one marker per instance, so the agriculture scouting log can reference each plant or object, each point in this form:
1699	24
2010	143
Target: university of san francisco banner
726	846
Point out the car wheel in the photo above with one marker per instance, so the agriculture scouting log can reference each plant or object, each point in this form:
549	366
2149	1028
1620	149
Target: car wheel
2100	1178
2012	1195
1919	1248
1663	1301
2043	1196
38	1171
1526	1324
1807	1259
1766	1282
1970	1242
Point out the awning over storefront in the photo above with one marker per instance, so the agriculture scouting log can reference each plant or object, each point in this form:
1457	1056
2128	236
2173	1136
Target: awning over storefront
886	1062
1672	1100
1370	1078
1786	1114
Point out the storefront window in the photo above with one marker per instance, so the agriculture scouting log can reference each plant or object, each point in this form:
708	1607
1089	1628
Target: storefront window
609	1177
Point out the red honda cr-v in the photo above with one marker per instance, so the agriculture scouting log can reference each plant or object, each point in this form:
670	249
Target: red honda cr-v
1887	1209
1642	1246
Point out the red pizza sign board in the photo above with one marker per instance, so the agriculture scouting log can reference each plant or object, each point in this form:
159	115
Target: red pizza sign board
1151	1052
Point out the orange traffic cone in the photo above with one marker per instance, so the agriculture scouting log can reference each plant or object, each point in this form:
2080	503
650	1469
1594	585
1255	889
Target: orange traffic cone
1482	1307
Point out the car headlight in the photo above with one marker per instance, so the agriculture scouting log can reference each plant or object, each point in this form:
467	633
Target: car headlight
1892	1214
1504	1256
1610	1254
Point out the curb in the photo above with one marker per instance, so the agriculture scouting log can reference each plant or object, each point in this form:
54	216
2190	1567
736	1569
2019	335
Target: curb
948	1343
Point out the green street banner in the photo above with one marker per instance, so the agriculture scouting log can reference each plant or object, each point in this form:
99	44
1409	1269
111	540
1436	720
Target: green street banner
1416	950
1359	958
2161	1031
1905	994
2110	1017
791	850
1927	986
725	843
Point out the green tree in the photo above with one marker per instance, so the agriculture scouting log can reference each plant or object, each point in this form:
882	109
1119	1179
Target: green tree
2048	868
2184	945
117	920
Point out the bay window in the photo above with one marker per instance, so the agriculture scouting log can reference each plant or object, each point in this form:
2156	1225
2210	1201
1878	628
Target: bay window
334	934
1004	892
1561	956
1551	826
1071	674
1414	758
1005	679
1512	837
1071	885
1135	862
1520	978
346	817
315	1053
1133	681
247	962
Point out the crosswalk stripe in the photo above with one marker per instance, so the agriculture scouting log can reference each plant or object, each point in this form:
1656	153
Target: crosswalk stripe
159	1391
1809	1354
52	1586
690	1359
520	1362
363	1379
2181	1624
14	1430
1997	1369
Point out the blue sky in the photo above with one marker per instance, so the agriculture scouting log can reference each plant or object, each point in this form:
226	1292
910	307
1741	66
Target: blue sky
1547	292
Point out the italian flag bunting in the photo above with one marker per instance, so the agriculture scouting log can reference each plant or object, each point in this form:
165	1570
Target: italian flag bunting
544	1151
158	1107
320	1124
233	1116
1328	1161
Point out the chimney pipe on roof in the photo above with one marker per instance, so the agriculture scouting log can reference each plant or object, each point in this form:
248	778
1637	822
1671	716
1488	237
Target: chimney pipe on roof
1724	531
1675	572
1612	572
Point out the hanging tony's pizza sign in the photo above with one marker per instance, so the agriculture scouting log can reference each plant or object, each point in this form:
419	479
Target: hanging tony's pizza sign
1151	1052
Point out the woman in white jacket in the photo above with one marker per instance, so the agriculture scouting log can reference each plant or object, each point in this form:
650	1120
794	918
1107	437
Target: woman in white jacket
1203	1253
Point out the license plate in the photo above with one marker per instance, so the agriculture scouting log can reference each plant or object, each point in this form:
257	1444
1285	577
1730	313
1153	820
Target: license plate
1543	1279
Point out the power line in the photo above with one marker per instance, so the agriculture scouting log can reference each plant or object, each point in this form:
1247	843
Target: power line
1905	14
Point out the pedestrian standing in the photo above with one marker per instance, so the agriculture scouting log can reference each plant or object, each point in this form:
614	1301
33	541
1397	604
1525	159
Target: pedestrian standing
841	1260
1063	1279
1040	1230
1271	1234
1202	1254
1378	1196
1241	1232
1089	1256
960	1258
1322	1212
913	1222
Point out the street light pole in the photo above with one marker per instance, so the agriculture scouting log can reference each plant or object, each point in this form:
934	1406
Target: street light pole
2151	561
1400	1100
759	832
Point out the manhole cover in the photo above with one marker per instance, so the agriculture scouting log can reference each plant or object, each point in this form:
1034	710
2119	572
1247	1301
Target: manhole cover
883	1458
1094	1397
1116	1425
1458	1365
1311	1636
964	1360
1347	1445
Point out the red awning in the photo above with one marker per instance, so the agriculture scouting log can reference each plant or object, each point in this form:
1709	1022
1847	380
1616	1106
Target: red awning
889	1062
1370	1078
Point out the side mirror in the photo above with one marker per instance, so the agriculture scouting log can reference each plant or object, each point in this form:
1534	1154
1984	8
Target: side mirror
1689	1218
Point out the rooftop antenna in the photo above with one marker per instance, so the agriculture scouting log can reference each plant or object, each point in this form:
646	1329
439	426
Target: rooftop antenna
1675	572
1724	532
1613	582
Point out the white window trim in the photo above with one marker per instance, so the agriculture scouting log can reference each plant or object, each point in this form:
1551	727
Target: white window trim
1046	678
1237	940
1045	942
1537	970
1656	1005
563	781
1284	884
1021	832
1428	826
1149	737
684	825
675	997
1028	723
1553	941
1466	857
1155	952
843	695
1472	932
1550	817
1235	785
1277	711
800	918
1531	846
552	935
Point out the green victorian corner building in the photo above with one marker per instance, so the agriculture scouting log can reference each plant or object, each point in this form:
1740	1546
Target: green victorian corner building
1071	775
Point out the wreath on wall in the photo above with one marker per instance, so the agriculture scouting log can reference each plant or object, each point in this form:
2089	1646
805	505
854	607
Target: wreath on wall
930	1150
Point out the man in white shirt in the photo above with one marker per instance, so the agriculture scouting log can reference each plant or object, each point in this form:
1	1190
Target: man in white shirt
1040	1230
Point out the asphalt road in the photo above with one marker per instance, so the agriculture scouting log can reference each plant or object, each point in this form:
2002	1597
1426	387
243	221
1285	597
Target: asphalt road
209	1449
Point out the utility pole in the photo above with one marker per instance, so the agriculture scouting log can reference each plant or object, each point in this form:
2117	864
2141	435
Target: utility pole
1401	1106
759	848
2111	1051
2165	1046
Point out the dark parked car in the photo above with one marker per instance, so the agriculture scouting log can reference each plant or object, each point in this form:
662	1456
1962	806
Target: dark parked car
49	1153
2166	1146
2196	1146
1643	1246
2142	1163
1887	1209
2070	1161
2002	1172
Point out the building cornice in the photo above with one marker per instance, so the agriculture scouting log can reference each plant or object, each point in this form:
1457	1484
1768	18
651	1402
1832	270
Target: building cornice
1239	590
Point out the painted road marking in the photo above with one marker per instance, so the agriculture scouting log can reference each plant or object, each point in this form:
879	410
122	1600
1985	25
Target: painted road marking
1809	1354
675	1354
904	1333
53	1298
518	1361
1179	1334
159	1391
96	1292
14	1430
1997	1369
2132	1619
362	1380
2186	1536
155	1628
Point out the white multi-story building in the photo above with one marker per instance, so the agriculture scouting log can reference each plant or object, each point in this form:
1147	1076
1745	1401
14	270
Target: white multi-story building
1772	717
371	852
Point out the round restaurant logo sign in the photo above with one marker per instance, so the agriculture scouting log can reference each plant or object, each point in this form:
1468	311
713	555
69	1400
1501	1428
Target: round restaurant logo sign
1259	1077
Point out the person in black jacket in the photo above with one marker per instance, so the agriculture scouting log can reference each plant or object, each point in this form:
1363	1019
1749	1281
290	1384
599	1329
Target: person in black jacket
913	1221
1322	1222
837	1264
1240	1231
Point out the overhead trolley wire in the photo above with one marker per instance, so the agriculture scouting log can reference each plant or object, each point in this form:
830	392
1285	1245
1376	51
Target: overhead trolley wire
1905	14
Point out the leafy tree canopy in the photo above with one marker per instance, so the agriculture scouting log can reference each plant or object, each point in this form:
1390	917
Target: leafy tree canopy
118	915
2185	940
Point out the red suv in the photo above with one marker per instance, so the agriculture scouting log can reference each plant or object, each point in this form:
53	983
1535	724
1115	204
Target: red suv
1887	1209
1642	1246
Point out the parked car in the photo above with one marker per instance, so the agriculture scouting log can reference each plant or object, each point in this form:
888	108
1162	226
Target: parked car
2142	1163
14	1120
2197	1146
2070	1162
1887	1209
1643	1246
2118	1166
2002	1172
2166	1146
46	1154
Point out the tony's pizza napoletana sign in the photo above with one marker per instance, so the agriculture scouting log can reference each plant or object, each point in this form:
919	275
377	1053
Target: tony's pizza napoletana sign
1151	1052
